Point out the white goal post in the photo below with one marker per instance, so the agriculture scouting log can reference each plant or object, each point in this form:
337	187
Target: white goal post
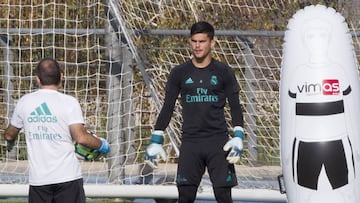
116	57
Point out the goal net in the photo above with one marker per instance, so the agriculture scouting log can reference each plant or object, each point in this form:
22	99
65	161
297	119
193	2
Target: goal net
116	57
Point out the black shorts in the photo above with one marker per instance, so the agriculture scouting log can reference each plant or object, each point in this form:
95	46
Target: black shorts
313	155
195	157
69	192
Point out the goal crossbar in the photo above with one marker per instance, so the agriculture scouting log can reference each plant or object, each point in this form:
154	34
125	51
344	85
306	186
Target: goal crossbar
147	191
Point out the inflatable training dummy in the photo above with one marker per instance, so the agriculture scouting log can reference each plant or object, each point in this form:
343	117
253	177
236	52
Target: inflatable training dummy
319	109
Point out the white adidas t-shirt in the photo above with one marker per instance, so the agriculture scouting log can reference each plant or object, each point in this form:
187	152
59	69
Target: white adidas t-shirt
45	116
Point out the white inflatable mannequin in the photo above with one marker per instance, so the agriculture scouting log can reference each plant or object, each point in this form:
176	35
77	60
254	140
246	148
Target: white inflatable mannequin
319	109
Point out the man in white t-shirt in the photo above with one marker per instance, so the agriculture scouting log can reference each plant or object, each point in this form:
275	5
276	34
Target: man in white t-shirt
52	121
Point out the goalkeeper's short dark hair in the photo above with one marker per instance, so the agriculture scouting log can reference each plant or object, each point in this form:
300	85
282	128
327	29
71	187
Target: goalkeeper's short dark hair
49	72
202	27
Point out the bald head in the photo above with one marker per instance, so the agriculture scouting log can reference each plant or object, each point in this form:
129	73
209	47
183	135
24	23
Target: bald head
49	72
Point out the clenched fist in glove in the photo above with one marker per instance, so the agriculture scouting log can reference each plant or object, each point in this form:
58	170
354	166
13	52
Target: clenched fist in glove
236	145
155	149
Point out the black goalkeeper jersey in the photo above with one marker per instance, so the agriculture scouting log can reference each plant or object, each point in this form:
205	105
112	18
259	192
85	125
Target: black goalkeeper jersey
204	92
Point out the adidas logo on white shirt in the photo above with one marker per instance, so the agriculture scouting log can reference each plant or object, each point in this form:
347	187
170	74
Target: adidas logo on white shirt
41	114
43	109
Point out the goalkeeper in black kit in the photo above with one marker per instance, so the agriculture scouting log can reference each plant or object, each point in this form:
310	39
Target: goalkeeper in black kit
205	85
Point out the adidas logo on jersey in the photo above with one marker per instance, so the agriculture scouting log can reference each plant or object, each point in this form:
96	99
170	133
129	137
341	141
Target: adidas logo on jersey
189	81
41	114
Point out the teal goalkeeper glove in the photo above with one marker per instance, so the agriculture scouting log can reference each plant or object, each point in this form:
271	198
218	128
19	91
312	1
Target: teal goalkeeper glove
155	149
236	145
